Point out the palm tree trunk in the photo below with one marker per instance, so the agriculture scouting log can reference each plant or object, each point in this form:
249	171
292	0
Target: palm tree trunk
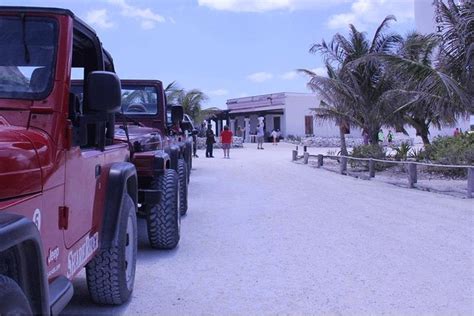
342	135
423	130
424	136
374	137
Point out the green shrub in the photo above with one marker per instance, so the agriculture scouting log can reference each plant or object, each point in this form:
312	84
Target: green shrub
457	150
401	153
368	151
418	154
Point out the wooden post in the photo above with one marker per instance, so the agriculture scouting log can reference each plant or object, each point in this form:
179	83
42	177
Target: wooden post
304	148
343	165
306	158
371	168
470	182
412	175
295	155
320	160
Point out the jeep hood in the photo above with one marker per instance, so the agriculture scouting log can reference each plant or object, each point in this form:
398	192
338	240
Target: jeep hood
149	138
20	172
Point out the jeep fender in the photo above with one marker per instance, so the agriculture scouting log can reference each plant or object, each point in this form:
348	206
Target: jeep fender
161	161
174	153
122	179
20	242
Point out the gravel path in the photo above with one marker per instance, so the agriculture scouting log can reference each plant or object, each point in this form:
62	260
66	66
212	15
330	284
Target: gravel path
264	235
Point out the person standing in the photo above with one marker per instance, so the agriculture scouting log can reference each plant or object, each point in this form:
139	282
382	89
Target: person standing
274	136
365	136
210	140
226	141
390	137
381	137
238	132
195	144
260	136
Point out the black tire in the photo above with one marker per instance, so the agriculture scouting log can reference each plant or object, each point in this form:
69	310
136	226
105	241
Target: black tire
183	187
111	274
163	219
12	299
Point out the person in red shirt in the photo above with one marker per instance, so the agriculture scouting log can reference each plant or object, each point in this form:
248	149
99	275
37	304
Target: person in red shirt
226	141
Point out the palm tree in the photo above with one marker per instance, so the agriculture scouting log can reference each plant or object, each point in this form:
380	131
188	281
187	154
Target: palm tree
424	95
457	40
336	98
356	92
420	114
191	100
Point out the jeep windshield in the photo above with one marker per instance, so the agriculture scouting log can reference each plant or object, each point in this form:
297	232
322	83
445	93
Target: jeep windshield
139	100
28	49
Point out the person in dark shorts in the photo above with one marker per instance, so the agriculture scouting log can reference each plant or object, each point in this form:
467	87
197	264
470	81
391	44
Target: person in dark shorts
210	140
226	141
195	145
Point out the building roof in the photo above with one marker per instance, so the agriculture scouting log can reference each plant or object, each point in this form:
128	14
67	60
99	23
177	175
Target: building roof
262	102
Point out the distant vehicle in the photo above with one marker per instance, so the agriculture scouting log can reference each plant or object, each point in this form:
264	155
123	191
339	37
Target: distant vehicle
68	196
161	153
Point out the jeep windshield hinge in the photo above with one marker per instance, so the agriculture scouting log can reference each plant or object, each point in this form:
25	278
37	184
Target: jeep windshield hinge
63	217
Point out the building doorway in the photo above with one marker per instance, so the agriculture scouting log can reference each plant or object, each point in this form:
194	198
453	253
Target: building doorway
308	125
277	123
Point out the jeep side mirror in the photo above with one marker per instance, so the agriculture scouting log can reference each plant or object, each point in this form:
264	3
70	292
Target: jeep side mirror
104	91
177	114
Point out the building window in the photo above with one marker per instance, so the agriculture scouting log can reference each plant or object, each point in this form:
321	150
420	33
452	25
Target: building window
308	125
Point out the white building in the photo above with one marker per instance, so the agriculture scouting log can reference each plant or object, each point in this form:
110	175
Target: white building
288	112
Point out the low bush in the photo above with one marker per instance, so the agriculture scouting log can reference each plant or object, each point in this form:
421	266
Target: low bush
401	153
368	151
457	150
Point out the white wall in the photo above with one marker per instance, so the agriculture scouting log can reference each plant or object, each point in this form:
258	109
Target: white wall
297	106
425	16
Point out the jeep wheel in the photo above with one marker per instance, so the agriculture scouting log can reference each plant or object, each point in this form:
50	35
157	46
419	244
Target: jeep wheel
183	186
111	274
13	300
163	219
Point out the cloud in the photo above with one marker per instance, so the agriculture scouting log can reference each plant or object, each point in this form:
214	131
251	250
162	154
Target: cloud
99	18
366	13
264	5
320	71
260	76
218	92
290	75
147	17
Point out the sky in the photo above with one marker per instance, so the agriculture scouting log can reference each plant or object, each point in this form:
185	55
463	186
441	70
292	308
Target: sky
226	48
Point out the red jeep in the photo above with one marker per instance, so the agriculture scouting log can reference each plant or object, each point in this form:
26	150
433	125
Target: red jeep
161	154
68	197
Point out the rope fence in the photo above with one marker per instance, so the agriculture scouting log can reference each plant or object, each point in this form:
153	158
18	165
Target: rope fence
411	167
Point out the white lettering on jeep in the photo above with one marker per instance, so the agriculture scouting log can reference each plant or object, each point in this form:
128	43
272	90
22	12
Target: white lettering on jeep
37	218
53	255
76	259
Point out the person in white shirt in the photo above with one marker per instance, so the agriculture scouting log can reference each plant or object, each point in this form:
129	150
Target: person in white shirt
275	137
260	136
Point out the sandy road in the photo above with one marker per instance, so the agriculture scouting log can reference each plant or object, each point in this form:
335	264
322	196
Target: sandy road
264	235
